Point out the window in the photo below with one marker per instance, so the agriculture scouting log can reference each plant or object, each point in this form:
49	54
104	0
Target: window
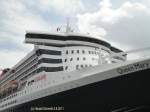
66	67
72	51
71	59
83	51
84	58
51	52
77	66
77	58
81	66
67	52
32	81
86	65
65	60
78	51
50	69
29	83
48	60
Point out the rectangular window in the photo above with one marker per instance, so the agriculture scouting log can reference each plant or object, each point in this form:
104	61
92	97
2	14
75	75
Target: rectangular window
51	52
49	60
50	69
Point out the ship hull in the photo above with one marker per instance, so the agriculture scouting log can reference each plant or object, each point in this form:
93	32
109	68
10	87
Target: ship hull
123	92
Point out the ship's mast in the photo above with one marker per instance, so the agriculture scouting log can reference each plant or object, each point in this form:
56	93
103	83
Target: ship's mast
68	26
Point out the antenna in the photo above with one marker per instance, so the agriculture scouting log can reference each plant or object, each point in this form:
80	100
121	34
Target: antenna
68	26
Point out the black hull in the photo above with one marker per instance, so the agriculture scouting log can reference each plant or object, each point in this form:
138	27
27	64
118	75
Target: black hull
128	91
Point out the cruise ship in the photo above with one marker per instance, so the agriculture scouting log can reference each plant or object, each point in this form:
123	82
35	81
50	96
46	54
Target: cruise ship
70	72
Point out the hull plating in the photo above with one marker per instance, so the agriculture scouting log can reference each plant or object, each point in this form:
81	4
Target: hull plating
128	91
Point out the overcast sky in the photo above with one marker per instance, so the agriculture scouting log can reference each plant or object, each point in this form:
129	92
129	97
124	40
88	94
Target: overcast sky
124	23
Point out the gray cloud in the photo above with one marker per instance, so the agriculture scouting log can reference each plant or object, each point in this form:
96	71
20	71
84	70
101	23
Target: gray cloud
17	16
126	26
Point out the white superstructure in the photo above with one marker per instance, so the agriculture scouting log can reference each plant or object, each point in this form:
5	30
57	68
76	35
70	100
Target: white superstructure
54	56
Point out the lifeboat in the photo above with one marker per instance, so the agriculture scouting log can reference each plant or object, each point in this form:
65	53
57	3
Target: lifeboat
13	84
6	89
